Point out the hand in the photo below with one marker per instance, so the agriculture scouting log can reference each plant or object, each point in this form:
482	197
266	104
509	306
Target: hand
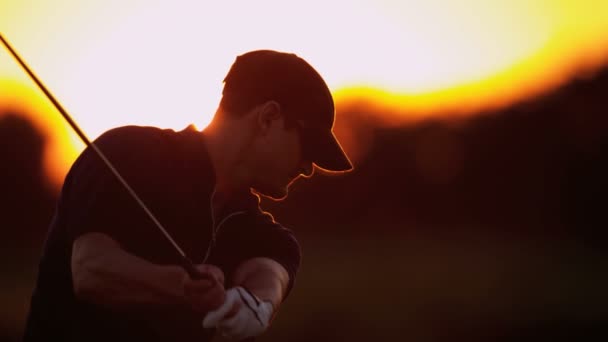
206	294
241	315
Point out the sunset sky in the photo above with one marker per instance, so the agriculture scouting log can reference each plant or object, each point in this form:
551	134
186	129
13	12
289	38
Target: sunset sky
117	62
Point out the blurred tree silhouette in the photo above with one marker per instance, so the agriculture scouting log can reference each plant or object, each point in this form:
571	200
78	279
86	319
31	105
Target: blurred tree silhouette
26	207
26	201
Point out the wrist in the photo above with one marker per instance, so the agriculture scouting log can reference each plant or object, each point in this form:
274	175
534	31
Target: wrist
261	309
242	315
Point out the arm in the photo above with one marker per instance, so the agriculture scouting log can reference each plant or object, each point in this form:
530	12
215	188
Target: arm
104	274
260	286
262	258
265	278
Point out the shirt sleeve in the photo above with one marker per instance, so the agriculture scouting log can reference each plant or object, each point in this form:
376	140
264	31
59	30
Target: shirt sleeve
95	201
252	235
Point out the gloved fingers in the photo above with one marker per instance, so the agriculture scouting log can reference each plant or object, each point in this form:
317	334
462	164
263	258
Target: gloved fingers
236	325
239	319
214	317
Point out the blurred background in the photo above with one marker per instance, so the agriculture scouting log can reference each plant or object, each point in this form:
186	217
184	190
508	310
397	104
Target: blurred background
477	209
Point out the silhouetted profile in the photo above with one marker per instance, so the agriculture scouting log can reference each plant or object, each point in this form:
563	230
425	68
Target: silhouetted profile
108	274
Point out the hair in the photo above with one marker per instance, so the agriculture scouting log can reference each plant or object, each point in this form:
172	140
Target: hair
235	102
264	75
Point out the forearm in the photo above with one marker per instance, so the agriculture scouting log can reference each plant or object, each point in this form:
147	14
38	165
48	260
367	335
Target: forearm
259	285
263	277
106	275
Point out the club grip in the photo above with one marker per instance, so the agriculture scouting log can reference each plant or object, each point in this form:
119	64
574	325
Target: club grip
192	271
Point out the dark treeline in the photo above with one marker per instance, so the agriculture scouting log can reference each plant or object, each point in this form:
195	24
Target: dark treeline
534	168
26	202
537	167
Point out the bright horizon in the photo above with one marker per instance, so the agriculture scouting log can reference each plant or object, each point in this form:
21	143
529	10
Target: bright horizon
112	63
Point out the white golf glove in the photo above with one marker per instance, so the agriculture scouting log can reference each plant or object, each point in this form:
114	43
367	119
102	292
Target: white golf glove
252	318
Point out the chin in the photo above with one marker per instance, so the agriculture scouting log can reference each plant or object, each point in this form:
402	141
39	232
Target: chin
276	194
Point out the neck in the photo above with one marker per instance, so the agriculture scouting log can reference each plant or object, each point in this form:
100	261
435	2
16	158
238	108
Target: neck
226	150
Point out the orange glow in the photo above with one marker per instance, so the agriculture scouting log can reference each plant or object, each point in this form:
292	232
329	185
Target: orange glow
62	146
491	92
161	63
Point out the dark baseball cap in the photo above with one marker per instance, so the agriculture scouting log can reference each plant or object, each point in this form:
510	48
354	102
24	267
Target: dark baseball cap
265	75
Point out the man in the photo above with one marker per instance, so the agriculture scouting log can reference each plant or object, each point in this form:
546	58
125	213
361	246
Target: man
108	274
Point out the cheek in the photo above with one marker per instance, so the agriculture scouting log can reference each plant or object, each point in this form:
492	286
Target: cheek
293	151
271	159
280	154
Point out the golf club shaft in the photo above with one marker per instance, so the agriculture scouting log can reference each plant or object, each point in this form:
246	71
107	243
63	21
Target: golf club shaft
185	261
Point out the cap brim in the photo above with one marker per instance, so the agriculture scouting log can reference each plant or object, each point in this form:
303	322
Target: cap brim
326	152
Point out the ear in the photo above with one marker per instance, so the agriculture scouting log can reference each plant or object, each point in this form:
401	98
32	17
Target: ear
268	113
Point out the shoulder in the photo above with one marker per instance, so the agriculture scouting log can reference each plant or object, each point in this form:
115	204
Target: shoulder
134	146
249	216
127	138
243	218
255	227
263	223
255	233
263	237
130	149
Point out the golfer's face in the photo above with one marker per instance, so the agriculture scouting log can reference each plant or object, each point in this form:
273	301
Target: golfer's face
283	161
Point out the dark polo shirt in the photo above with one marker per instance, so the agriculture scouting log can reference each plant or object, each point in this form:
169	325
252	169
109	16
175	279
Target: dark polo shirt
172	173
